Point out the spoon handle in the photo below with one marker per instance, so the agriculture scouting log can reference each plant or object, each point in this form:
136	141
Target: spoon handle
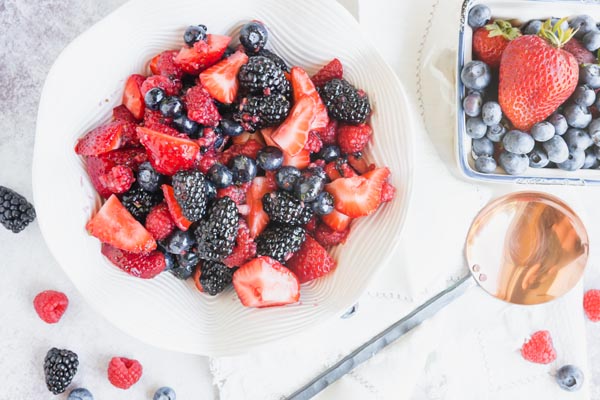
381	340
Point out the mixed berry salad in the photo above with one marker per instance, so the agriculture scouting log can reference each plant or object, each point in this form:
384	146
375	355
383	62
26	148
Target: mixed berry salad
530	96
228	167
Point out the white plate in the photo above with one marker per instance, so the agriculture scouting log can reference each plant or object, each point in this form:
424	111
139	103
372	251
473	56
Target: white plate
86	82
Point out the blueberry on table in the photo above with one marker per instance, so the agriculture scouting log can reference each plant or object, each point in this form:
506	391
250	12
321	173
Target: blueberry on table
286	177
491	113
194	33
496	132
185	125
589	74
577	116
591	160
323	204
153	98
220	175
179	242
559	122
483	147
253	36
269	158
577	139
538	158
583	95
569	378
533	27
575	160
513	164
472	104
80	394
543	131
164	393
583	24
243	169
485	164
557	149
475	128
476	75
231	127
171	107
479	16
518	142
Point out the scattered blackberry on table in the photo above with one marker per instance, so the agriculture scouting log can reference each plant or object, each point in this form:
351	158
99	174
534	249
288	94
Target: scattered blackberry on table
261	76
215	277
171	107
286	177
257	112
269	158
148	178
195	33
15	211
243	169
220	175
279	242
216	234
284	208
254	36
569	378
344	102
154	97
273	57
190	189
60	366
140	202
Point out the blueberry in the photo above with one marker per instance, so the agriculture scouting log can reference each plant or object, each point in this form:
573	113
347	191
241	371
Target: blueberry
589	74
496	132
286	177
483	147
253	36
591	160
187	126
80	394
479	16
148	178
583	95
179	242
194	33
577	116
219	144
577	140
323	204
153	98
518	142
569	378
188	260
583	24
538	158
472	104
171	107
543	131
533	27
476	75
220	175
308	187
315	171
514	164
594	130
564	26
491	113
170	261
475	128
591	40
243	169
269	158
574	161
557	149
330	152
181	272
164	393
485	164
559	122
230	127
211	190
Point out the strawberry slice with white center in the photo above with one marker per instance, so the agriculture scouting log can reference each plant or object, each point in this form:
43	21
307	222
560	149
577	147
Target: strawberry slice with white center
132	97
263	282
175	209
292	134
303	86
202	54
103	139
358	196
257	217
114	225
221	81
168	154
336	221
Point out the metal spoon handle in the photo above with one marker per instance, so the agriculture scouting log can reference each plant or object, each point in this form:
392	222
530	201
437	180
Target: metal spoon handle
381	340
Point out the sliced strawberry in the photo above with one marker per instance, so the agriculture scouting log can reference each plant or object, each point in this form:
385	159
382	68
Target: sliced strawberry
145	266
118	180
300	160
122	113
388	192
114	225
132	97
164	64
221	79
175	209
336	221
244	137
170	87
201	107
360	164
358	196
336	170
302	86
333	70
100	168
258	218
263	282
197	274
168	154
292	134
203	54
235	193
248	149
267	135
311	262
244	249
102	139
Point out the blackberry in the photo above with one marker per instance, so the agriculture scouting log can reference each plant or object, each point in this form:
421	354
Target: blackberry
216	234
215	277
284	208
191	192
262	76
15	211
60	366
257	112
139	202
344	102
273	57
279	241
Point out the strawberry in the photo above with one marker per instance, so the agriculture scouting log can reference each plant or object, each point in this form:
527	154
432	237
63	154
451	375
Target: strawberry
235	193
292	134
114	225
100	169
118	180
536	76
300	160
164	64
145	266
102	139
202	54
168	154
581	54
249	149
388	191
221	81
170	87
333	70
244	249
244	137
353	138
336	170
132	97
302	86
122	113
359	164
258	218
539	348
336	221
155	118
490	41
201	107
175	209
358	196
310	262
159	222
263	282
327	236
591	304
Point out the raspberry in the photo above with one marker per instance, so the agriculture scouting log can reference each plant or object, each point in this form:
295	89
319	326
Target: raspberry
201	107
328	237
124	372
208	139
248	149
207	160
50	305
314	143
170	87
311	261
244	248
159	222
122	113
333	70
163	64
155	118
388	191
353	138
329	134
539	349
311	225
118	180
591	304
235	193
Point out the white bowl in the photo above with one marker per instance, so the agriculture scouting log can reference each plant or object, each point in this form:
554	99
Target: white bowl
87	81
